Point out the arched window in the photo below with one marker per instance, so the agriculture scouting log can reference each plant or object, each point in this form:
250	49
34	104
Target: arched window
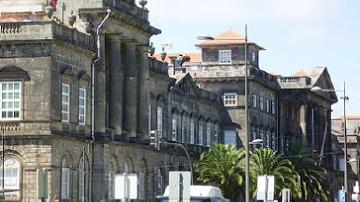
142	181
183	128
12	176
65	180
192	131
159	182
208	133
174	128
201	133
83	176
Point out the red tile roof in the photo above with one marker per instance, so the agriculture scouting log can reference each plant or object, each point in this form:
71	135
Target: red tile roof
228	37
300	73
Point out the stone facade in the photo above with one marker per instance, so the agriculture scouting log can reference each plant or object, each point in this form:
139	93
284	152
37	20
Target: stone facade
46	65
352	126
281	108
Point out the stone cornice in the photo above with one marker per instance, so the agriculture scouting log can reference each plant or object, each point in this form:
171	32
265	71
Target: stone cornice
120	15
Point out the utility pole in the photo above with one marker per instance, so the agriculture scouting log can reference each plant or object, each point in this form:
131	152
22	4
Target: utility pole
345	146
247	187
3	161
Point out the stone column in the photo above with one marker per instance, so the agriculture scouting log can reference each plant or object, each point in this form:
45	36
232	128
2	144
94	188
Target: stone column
130	89
143	93
115	88
303	122
100	89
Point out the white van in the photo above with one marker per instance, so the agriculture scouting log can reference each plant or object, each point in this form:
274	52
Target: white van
198	193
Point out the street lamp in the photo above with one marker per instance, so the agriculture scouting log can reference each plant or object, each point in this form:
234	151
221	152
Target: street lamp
256	141
344	98
156	142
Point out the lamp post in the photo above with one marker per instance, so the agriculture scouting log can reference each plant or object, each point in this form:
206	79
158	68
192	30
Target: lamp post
186	152
157	144
344	98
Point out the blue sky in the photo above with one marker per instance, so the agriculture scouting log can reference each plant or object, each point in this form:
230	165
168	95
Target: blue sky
297	34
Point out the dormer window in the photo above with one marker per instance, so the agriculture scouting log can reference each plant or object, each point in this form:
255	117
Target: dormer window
225	56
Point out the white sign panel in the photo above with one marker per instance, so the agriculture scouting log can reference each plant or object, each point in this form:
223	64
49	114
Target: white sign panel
265	186
126	186
179	186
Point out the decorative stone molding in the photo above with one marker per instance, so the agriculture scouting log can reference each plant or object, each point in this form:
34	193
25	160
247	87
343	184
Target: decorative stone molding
12	72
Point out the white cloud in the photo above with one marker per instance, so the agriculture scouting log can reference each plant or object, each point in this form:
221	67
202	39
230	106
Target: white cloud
215	11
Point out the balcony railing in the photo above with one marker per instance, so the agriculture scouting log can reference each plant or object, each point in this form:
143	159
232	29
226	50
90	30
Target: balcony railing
158	67
19	31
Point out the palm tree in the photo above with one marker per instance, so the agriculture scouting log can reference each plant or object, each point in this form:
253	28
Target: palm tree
312	177
268	162
222	166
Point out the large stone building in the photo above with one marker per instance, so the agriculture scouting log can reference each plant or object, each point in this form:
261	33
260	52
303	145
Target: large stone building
353	149
47	57
281	108
54	53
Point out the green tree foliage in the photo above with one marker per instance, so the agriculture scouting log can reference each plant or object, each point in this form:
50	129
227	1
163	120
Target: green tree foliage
268	162
222	166
312	177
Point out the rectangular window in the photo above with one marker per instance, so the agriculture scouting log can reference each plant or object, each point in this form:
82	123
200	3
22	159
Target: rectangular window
65	102
10	100
262	137
183	128
230	99
65	186
341	164
225	56
111	185
149	122
192	132
201	133
254	134
174	129
261	103
159	121
267	140
229	137
141	186
273	145
81	184
208	134
254	100
216	134
82	106
267	105
273	107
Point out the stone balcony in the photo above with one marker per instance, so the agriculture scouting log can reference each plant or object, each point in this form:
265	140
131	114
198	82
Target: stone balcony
158	67
45	30
294	82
